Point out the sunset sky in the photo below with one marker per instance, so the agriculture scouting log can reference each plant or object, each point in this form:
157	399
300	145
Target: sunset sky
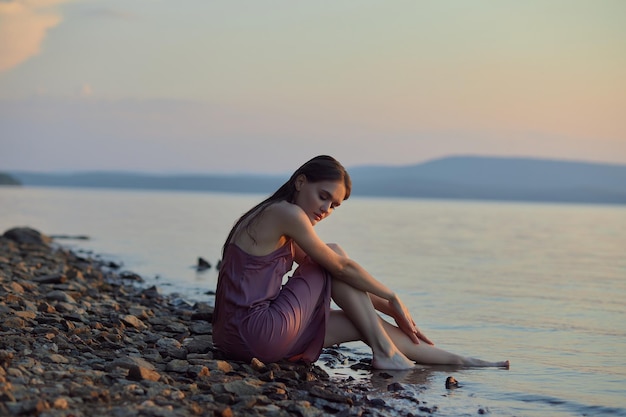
262	86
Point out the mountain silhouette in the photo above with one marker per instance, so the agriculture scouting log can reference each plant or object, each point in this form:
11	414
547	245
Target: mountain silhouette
457	177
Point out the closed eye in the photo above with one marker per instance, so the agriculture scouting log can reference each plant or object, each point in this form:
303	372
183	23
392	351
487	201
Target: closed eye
325	195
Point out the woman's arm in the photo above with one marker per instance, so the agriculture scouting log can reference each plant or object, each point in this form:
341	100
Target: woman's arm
381	305
387	308
293	222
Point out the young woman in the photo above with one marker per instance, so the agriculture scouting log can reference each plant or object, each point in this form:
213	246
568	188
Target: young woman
256	316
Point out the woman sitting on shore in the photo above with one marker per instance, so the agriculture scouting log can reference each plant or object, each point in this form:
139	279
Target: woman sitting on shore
256	316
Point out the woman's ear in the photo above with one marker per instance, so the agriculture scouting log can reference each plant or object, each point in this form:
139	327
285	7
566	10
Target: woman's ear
300	180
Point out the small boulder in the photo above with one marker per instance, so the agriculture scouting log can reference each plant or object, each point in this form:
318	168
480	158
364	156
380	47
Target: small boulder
139	373
26	235
451	383
203	264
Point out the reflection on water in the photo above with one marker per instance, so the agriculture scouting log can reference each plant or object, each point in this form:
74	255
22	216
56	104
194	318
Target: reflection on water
352	360
421	389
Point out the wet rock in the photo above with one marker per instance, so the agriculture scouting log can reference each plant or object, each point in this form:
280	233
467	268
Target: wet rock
395	386
203	264
451	383
327	394
70	237
152	292
377	402
131	276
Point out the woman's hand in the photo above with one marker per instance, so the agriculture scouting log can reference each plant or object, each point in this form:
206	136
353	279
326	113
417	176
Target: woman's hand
405	322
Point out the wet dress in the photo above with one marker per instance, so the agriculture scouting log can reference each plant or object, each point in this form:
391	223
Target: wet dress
256	316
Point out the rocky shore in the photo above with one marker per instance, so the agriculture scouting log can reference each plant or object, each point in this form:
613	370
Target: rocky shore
80	338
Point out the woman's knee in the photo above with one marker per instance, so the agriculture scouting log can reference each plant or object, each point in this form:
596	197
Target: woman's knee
341	289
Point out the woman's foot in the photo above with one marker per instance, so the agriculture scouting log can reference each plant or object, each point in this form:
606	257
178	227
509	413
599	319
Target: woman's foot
482	363
397	361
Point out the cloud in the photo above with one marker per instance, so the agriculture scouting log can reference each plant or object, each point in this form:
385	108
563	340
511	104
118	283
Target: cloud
23	27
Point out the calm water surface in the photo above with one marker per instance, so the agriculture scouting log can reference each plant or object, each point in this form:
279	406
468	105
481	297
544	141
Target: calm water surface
542	285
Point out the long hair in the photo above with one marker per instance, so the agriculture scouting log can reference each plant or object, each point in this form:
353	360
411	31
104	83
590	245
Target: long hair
320	168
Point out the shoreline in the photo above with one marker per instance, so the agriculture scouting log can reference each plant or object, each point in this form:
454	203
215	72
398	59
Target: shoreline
80	339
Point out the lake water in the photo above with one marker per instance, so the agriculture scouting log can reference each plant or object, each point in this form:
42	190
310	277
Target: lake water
540	284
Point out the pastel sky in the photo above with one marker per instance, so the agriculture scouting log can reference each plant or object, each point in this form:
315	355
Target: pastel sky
261	86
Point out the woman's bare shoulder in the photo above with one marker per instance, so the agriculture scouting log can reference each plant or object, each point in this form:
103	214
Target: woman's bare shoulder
289	218
285	208
266	232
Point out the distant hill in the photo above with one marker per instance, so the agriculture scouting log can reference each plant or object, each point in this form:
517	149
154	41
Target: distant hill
508	179
517	179
227	183
6	179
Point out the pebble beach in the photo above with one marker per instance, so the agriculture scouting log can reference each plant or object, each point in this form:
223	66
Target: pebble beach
79	337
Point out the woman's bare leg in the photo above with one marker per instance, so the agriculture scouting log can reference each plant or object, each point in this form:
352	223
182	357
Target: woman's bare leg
361	322
340	329
391	347
365	324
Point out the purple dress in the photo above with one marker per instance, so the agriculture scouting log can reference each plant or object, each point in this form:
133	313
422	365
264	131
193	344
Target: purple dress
257	317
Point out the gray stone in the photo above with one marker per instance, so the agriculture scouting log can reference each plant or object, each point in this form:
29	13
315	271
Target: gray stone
244	387
177	365
26	235
50	279
177	328
201	327
58	295
128	362
56	358
133	321
199	344
137	373
169	347
197	371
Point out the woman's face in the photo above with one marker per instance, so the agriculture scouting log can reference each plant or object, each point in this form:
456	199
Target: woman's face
319	199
